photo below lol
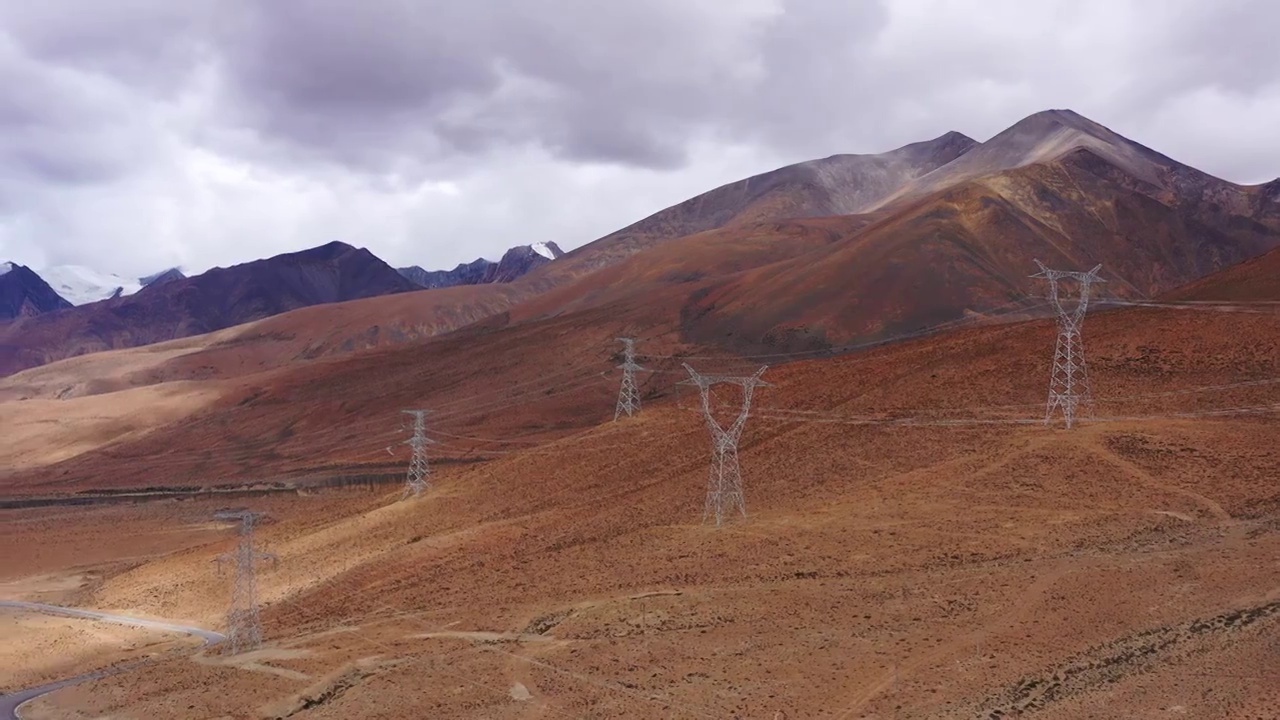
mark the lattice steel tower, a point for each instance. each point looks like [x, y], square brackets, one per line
[418, 477]
[724, 488]
[244, 625]
[628, 394]
[1069, 389]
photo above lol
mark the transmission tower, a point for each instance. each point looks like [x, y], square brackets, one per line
[628, 395]
[244, 626]
[1069, 389]
[419, 473]
[724, 489]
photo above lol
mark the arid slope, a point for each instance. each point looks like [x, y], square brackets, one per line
[918, 543]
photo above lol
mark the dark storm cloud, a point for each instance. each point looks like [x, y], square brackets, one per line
[355, 82]
[591, 81]
[150, 44]
[57, 129]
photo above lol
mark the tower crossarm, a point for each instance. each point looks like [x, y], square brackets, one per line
[1073, 319]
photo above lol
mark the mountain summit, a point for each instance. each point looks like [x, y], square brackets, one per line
[835, 185]
[23, 293]
[1043, 137]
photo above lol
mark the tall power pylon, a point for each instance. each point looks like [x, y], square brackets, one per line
[418, 477]
[628, 394]
[1069, 389]
[724, 488]
[244, 625]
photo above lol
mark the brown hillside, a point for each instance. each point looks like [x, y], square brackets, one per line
[1255, 280]
[543, 379]
[918, 543]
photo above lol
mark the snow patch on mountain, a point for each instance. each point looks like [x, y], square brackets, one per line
[80, 285]
[543, 250]
[5, 267]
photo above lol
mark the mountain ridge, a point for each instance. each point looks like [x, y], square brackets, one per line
[213, 300]
[1054, 185]
[514, 263]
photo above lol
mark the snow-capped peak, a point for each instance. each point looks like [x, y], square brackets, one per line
[80, 285]
[543, 250]
[5, 267]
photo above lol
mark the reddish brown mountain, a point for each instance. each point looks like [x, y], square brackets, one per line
[217, 299]
[1055, 186]
[837, 185]
[950, 234]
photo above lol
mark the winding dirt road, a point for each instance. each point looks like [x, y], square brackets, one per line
[10, 703]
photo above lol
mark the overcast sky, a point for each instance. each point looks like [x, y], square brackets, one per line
[141, 134]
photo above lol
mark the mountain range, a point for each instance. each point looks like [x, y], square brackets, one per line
[848, 248]
[516, 262]
[80, 285]
[101, 315]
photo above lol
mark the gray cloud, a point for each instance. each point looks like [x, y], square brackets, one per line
[148, 132]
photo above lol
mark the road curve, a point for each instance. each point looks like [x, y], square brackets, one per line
[10, 703]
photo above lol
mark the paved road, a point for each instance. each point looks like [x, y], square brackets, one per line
[9, 703]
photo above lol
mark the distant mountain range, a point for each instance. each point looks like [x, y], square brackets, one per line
[514, 263]
[79, 285]
[73, 284]
[103, 311]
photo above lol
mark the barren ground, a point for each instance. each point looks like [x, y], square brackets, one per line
[922, 573]
[918, 546]
[36, 649]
